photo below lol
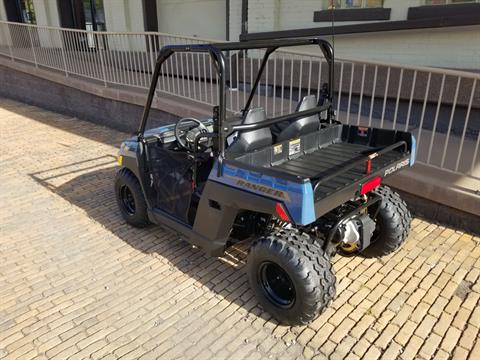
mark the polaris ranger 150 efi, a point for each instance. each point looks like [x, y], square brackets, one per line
[302, 186]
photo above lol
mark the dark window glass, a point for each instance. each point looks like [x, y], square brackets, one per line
[27, 11]
[351, 4]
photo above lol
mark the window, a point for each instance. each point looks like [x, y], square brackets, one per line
[27, 11]
[94, 15]
[351, 4]
[446, 2]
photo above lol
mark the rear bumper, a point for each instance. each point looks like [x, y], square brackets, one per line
[331, 201]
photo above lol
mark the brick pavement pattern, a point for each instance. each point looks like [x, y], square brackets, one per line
[76, 282]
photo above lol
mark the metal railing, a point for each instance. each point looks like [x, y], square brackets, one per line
[441, 107]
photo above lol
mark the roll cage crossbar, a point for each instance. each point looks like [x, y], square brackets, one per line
[218, 58]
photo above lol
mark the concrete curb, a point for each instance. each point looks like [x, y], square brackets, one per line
[440, 187]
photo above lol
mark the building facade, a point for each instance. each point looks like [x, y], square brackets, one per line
[442, 33]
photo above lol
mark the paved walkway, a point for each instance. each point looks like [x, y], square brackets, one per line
[76, 281]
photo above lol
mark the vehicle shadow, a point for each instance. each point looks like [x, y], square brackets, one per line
[88, 184]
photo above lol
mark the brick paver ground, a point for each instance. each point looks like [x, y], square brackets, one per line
[77, 282]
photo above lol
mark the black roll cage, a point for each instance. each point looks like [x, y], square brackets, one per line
[216, 53]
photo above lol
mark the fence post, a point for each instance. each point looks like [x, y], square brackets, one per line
[33, 48]
[151, 51]
[10, 43]
[7, 40]
[102, 62]
[63, 52]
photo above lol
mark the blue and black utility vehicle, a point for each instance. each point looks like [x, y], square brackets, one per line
[302, 186]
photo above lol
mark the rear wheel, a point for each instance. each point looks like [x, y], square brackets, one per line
[392, 224]
[130, 198]
[291, 276]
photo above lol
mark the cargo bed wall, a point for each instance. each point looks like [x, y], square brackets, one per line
[352, 142]
[324, 157]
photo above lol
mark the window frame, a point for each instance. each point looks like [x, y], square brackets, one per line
[326, 5]
[450, 2]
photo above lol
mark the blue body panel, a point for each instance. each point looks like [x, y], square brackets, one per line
[413, 151]
[298, 199]
[299, 196]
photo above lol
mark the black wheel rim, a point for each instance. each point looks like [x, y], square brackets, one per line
[277, 285]
[128, 202]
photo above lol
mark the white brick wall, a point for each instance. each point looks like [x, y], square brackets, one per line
[263, 15]
[235, 19]
[400, 8]
[46, 12]
[454, 47]
[298, 14]
[201, 18]
[125, 15]
[3, 13]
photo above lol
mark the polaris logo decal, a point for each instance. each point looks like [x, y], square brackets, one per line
[264, 189]
[397, 167]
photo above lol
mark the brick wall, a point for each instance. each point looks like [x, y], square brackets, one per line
[67, 100]
[235, 19]
[263, 15]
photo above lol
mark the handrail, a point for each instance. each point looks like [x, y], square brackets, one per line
[47, 27]
[451, 72]
[432, 70]
[414, 92]
[442, 71]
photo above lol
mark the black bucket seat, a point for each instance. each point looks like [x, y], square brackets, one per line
[295, 128]
[251, 140]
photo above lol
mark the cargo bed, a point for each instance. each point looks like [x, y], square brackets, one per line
[334, 158]
[330, 160]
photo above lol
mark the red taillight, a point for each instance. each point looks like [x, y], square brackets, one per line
[281, 213]
[370, 185]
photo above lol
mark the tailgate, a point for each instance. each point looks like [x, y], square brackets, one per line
[325, 166]
[338, 171]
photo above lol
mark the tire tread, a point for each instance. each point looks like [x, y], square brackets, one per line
[126, 177]
[301, 252]
[396, 220]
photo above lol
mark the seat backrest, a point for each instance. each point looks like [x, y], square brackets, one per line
[303, 125]
[254, 139]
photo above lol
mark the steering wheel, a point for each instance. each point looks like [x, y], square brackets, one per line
[189, 138]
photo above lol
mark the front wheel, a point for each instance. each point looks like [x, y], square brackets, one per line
[392, 224]
[291, 276]
[130, 199]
